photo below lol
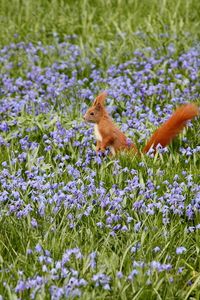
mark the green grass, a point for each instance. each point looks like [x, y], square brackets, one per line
[112, 25]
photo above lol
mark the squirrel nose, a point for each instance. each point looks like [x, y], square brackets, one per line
[84, 117]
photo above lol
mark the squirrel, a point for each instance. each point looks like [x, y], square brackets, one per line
[109, 135]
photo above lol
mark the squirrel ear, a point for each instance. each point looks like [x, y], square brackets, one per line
[98, 106]
[100, 99]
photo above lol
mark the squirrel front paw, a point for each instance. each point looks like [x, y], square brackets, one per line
[98, 149]
[102, 149]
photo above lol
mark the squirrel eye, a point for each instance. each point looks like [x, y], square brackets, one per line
[92, 114]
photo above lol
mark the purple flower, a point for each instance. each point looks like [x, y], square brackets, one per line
[68, 253]
[101, 279]
[119, 275]
[34, 223]
[29, 251]
[171, 279]
[92, 257]
[135, 248]
[137, 226]
[180, 250]
[4, 126]
[180, 270]
[38, 248]
[21, 286]
[132, 274]
[156, 249]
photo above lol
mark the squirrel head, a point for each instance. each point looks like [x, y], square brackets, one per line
[97, 110]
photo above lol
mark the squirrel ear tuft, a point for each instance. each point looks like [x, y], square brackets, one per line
[100, 99]
[98, 106]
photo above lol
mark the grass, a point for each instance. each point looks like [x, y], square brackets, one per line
[119, 28]
[111, 23]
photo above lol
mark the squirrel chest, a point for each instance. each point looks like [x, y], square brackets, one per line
[97, 133]
[99, 138]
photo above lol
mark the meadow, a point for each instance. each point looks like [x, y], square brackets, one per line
[73, 224]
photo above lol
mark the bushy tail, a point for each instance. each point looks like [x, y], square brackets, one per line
[168, 130]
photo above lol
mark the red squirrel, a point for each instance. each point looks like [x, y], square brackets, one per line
[109, 135]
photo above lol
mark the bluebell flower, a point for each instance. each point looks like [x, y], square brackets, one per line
[180, 250]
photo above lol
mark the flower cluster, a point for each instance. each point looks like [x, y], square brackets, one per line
[53, 186]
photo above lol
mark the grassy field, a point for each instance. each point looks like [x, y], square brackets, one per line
[74, 224]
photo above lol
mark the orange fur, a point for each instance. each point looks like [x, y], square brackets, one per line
[109, 135]
[173, 126]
